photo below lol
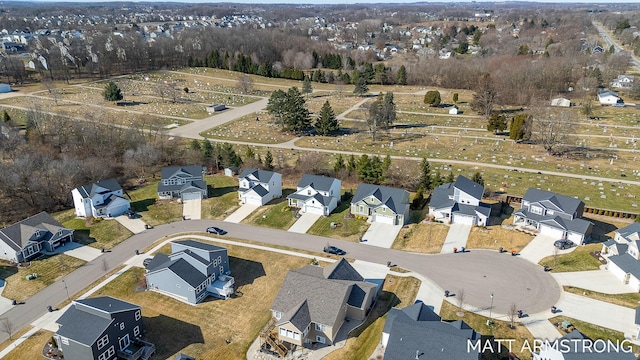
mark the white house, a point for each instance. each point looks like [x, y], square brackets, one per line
[623, 82]
[460, 203]
[608, 97]
[623, 255]
[554, 215]
[258, 187]
[561, 102]
[100, 199]
[316, 194]
[453, 110]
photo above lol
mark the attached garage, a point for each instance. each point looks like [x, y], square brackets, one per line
[576, 238]
[191, 196]
[384, 219]
[313, 209]
[463, 219]
[117, 207]
[550, 231]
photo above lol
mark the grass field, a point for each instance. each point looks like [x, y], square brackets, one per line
[176, 327]
[398, 292]
[422, 238]
[154, 212]
[347, 228]
[590, 330]
[276, 214]
[48, 268]
[577, 260]
[31, 348]
[101, 234]
[223, 197]
[248, 129]
[495, 237]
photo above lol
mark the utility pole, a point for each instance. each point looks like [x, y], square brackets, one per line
[490, 321]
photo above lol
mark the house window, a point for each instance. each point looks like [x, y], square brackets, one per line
[384, 209]
[122, 326]
[136, 331]
[124, 342]
[64, 340]
[107, 354]
[138, 315]
[283, 332]
[221, 269]
[103, 341]
[308, 192]
[361, 209]
[320, 327]
[536, 210]
[277, 315]
[320, 339]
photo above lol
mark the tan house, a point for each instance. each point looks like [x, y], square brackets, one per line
[314, 302]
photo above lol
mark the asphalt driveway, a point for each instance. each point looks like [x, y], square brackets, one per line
[242, 212]
[382, 235]
[192, 209]
[303, 223]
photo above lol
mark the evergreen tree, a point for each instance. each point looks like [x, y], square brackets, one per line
[477, 177]
[437, 179]
[195, 145]
[327, 122]
[419, 198]
[455, 98]
[339, 164]
[401, 76]
[382, 113]
[369, 169]
[517, 131]
[207, 149]
[351, 164]
[296, 114]
[5, 117]
[249, 154]
[276, 107]
[361, 87]
[112, 92]
[497, 122]
[306, 86]
[268, 160]
[425, 180]
[432, 98]
[450, 178]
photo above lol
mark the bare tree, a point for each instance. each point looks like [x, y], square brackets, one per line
[311, 163]
[550, 130]
[7, 327]
[513, 314]
[245, 84]
[485, 96]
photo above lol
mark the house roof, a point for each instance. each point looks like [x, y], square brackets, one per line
[189, 171]
[185, 271]
[199, 245]
[83, 324]
[468, 186]
[182, 356]
[322, 200]
[627, 263]
[320, 183]
[298, 316]
[195, 185]
[630, 232]
[442, 197]
[416, 312]
[18, 234]
[101, 187]
[399, 197]
[263, 176]
[552, 200]
[433, 340]
[324, 292]
[260, 190]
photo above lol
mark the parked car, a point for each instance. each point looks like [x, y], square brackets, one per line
[146, 261]
[131, 214]
[216, 230]
[334, 250]
[563, 244]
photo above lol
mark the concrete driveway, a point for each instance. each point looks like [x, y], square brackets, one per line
[192, 209]
[79, 251]
[596, 280]
[136, 226]
[456, 238]
[600, 313]
[382, 235]
[305, 222]
[242, 212]
[5, 304]
[540, 247]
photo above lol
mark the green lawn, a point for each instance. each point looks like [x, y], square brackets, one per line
[592, 331]
[154, 212]
[577, 260]
[277, 216]
[48, 268]
[347, 228]
[223, 197]
[98, 234]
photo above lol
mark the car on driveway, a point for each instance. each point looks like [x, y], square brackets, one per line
[216, 230]
[334, 250]
[563, 244]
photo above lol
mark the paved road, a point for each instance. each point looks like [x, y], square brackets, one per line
[512, 280]
[618, 48]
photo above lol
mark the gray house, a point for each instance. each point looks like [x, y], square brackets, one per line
[102, 328]
[383, 204]
[416, 332]
[316, 194]
[314, 302]
[460, 202]
[26, 239]
[555, 215]
[182, 182]
[193, 271]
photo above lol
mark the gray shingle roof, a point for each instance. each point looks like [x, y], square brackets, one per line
[89, 190]
[341, 270]
[468, 186]
[182, 356]
[554, 201]
[399, 197]
[627, 263]
[263, 176]
[197, 185]
[182, 171]
[630, 232]
[441, 197]
[299, 316]
[186, 272]
[199, 245]
[320, 183]
[108, 304]
[18, 234]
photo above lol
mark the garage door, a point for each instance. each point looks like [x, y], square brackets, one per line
[553, 232]
[191, 196]
[118, 209]
[462, 219]
[313, 209]
[384, 219]
[576, 238]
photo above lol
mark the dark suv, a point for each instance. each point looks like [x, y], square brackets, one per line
[563, 244]
[334, 250]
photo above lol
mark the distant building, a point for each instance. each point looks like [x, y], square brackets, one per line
[561, 102]
[5, 88]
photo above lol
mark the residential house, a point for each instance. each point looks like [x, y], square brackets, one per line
[381, 203]
[100, 199]
[608, 97]
[182, 182]
[27, 239]
[314, 302]
[554, 215]
[623, 255]
[460, 202]
[417, 332]
[5, 88]
[316, 194]
[258, 187]
[561, 102]
[193, 271]
[102, 328]
[453, 110]
[623, 82]
[577, 346]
